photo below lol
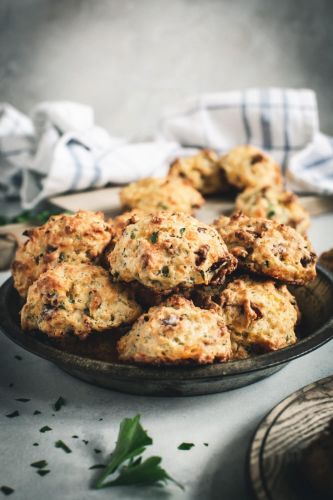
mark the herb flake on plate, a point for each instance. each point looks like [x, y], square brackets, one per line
[41, 464]
[7, 490]
[63, 446]
[59, 403]
[22, 400]
[97, 466]
[37, 412]
[185, 446]
[46, 428]
[43, 472]
[15, 413]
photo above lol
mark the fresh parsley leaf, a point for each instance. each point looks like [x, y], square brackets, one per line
[46, 428]
[63, 446]
[154, 237]
[39, 465]
[85, 441]
[35, 444]
[97, 466]
[96, 450]
[19, 358]
[131, 442]
[205, 444]
[43, 472]
[22, 400]
[146, 472]
[37, 412]
[13, 414]
[59, 403]
[7, 490]
[182, 230]
[75, 436]
[270, 214]
[185, 446]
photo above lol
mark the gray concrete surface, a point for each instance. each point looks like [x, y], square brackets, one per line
[130, 59]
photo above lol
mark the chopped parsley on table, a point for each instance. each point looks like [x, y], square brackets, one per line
[63, 446]
[185, 446]
[154, 237]
[59, 403]
[46, 428]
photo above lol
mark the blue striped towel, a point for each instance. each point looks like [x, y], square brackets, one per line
[60, 148]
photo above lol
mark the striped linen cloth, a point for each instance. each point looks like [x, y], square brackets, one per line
[60, 149]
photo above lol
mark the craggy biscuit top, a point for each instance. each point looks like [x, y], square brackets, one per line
[176, 332]
[248, 166]
[78, 299]
[121, 221]
[170, 193]
[260, 314]
[271, 203]
[81, 237]
[265, 247]
[202, 170]
[169, 250]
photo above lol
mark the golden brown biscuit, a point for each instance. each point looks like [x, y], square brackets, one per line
[326, 259]
[170, 250]
[265, 247]
[77, 299]
[176, 332]
[81, 237]
[121, 221]
[271, 203]
[202, 171]
[260, 314]
[247, 166]
[169, 193]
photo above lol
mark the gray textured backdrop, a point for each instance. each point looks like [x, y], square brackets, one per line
[129, 59]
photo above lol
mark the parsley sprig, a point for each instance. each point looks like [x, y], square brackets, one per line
[127, 459]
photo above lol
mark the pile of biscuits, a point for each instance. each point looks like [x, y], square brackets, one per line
[184, 291]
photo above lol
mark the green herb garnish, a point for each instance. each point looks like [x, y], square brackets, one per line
[185, 446]
[131, 442]
[46, 428]
[35, 444]
[154, 237]
[37, 412]
[13, 414]
[132, 235]
[270, 214]
[39, 465]
[75, 436]
[19, 358]
[182, 230]
[22, 400]
[85, 441]
[7, 490]
[59, 403]
[205, 444]
[97, 466]
[96, 450]
[63, 446]
[43, 472]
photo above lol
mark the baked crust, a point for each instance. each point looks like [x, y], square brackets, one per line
[77, 299]
[81, 237]
[203, 171]
[271, 203]
[268, 248]
[167, 250]
[176, 332]
[247, 166]
[170, 193]
[261, 315]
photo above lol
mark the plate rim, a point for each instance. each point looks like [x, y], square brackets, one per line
[270, 417]
[127, 371]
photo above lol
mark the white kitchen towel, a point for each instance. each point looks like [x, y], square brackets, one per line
[60, 148]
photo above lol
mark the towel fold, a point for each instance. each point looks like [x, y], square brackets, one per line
[59, 148]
